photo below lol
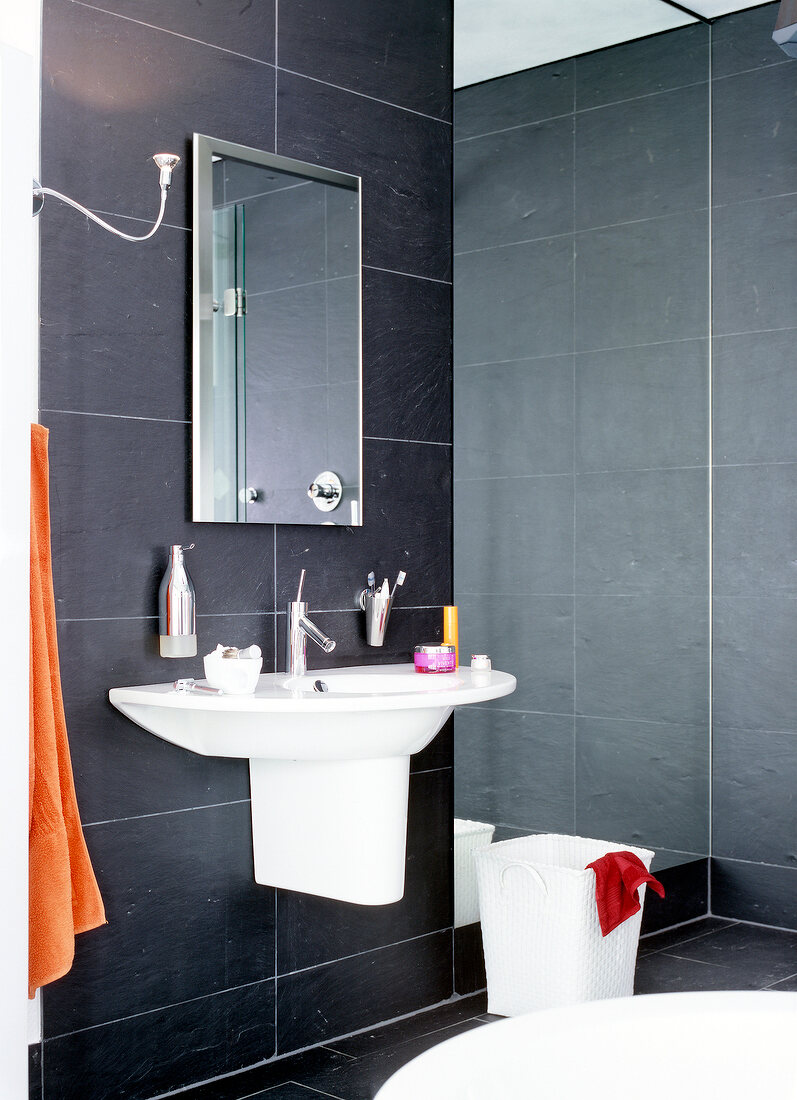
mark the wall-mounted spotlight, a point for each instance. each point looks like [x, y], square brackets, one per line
[167, 162]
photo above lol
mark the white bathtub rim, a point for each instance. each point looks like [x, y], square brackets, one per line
[732, 1042]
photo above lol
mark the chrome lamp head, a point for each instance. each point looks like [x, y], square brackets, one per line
[167, 162]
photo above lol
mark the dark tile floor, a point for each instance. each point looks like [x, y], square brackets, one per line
[707, 954]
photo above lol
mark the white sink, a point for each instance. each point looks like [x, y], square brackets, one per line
[329, 770]
[377, 681]
[369, 712]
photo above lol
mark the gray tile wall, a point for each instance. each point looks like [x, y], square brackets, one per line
[581, 443]
[583, 353]
[754, 870]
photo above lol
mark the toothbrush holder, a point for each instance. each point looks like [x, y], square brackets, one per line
[377, 612]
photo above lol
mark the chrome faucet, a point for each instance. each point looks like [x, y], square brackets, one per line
[300, 628]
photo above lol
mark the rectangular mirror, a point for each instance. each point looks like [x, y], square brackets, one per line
[277, 417]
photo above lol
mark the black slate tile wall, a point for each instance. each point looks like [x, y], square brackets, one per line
[398, 978]
[313, 930]
[754, 870]
[35, 1072]
[200, 972]
[581, 370]
[614, 669]
[686, 897]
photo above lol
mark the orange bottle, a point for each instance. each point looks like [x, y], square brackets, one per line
[451, 630]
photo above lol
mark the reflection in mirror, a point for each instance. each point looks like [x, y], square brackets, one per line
[277, 347]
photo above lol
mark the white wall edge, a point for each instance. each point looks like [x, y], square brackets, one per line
[20, 34]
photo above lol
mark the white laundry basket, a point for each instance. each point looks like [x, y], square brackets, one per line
[543, 946]
[468, 836]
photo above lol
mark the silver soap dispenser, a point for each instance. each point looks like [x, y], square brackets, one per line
[177, 608]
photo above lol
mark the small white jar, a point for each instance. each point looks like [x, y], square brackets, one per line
[237, 676]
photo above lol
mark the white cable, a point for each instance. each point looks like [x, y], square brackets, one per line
[99, 221]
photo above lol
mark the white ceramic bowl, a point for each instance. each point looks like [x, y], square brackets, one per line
[234, 677]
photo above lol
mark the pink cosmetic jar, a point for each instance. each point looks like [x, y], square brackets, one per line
[435, 658]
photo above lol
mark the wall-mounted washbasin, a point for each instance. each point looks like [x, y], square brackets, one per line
[329, 769]
[366, 712]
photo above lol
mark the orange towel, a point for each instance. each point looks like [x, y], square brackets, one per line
[64, 897]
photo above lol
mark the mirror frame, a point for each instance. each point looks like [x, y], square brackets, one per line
[204, 148]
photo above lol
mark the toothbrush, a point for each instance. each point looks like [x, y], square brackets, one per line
[371, 583]
[400, 579]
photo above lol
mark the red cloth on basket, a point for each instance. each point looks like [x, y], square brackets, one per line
[618, 876]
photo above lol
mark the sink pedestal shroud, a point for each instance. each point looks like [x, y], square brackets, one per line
[336, 828]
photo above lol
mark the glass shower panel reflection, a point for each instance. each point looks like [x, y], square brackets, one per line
[581, 454]
[302, 372]
[229, 364]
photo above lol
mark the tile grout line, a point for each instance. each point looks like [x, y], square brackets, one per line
[755, 198]
[186, 423]
[579, 230]
[134, 217]
[274, 978]
[600, 718]
[276, 71]
[710, 426]
[685, 958]
[774, 985]
[363, 95]
[583, 230]
[512, 129]
[259, 61]
[644, 95]
[756, 69]
[621, 224]
[159, 1009]
[659, 595]
[406, 274]
[687, 939]
[276, 968]
[761, 462]
[759, 863]
[167, 813]
[746, 729]
[759, 924]
[573, 411]
[595, 350]
[585, 110]
[616, 470]
[255, 294]
[174, 34]
[452, 1001]
[116, 416]
[311, 1091]
[399, 609]
[419, 442]
[358, 954]
[625, 347]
